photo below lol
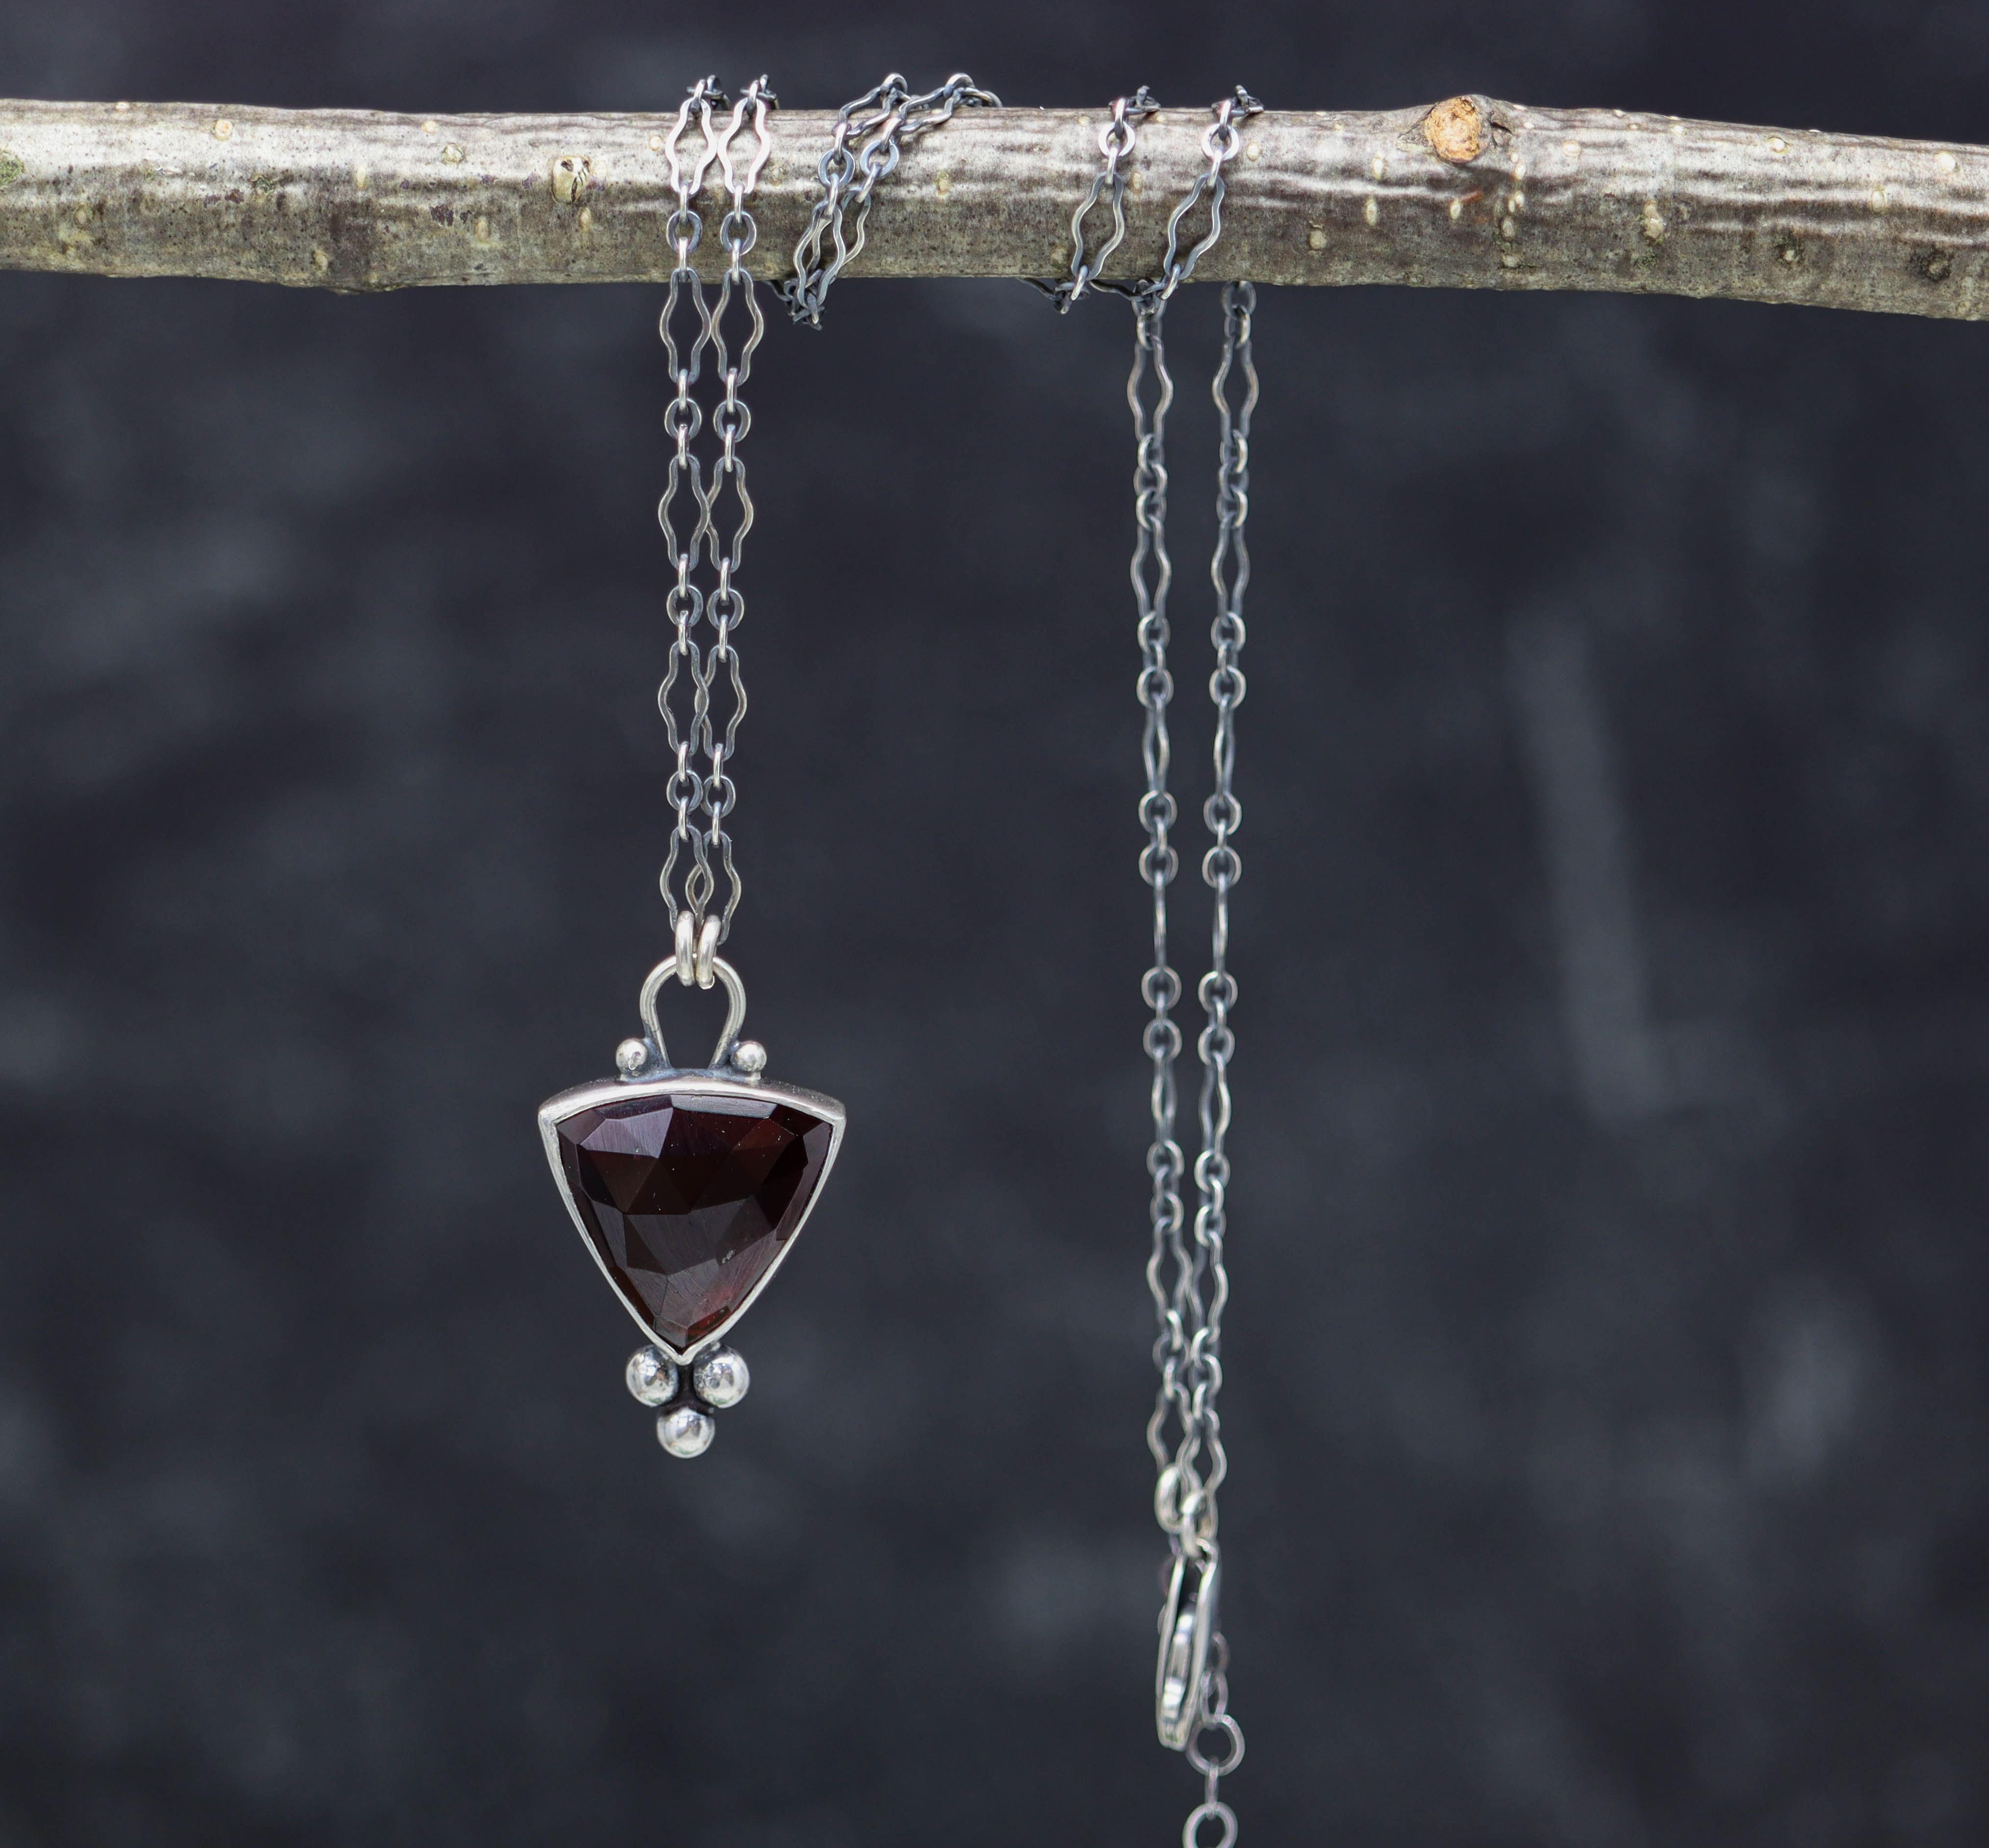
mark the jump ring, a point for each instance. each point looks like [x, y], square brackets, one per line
[1221, 865]
[1212, 1768]
[1205, 1812]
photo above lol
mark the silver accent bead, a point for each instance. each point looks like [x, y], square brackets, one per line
[652, 1375]
[630, 1056]
[685, 1431]
[719, 1377]
[751, 1057]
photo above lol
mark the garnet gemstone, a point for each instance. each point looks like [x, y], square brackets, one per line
[689, 1199]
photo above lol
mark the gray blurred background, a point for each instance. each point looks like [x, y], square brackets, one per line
[1607, 1386]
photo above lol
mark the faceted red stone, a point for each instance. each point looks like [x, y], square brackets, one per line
[689, 1199]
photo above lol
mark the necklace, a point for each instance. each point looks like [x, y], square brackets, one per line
[689, 1185]
[1186, 1271]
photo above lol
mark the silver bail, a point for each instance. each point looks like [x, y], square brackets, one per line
[723, 974]
[1188, 1626]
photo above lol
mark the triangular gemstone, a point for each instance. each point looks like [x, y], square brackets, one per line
[689, 1198]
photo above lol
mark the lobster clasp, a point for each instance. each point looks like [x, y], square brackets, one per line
[1187, 1628]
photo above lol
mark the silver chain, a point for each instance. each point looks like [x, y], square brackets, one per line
[872, 132]
[1212, 1715]
[1152, 575]
[701, 797]
[1189, 1352]
[1221, 142]
[1229, 572]
[1187, 1274]
[1115, 141]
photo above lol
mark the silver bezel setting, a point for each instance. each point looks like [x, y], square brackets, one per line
[713, 1082]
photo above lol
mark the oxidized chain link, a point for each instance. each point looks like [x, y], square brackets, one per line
[1187, 1275]
[701, 798]
[1190, 1352]
[1115, 141]
[872, 132]
[1221, 142]
[725, 609]
[1212, 1714]
[1152, 573]
[1229, 572]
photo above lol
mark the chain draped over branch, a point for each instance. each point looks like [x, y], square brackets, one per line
[1473, 193]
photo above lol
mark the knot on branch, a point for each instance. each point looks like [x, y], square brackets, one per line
[1457, 130]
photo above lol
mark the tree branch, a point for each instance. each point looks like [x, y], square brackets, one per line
[1471, 194]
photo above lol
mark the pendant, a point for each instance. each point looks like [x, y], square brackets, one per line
[689, 1188]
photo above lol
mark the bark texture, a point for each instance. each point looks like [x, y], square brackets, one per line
[1471, 193]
